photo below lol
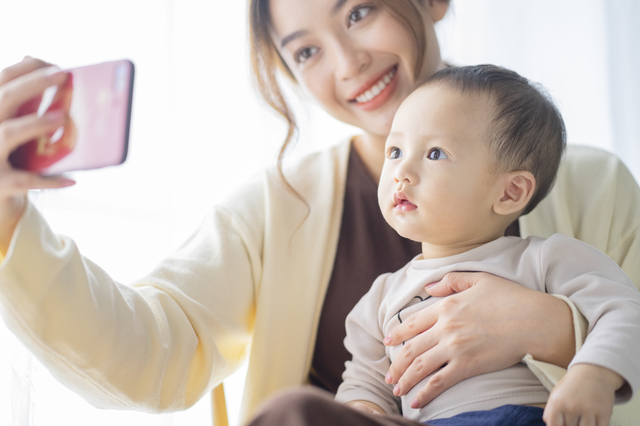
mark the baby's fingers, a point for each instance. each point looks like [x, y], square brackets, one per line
[552, 417]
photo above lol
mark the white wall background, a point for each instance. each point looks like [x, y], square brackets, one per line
[198, 129]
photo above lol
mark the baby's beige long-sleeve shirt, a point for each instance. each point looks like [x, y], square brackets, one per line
[559, 265]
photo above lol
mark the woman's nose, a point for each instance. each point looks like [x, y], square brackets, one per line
[349, 60]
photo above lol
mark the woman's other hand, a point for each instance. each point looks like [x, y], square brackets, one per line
[490, 325]
[21, 83]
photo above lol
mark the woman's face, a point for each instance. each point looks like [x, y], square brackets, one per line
[353, 57]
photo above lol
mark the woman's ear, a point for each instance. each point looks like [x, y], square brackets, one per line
[437, 9]
[516, 190]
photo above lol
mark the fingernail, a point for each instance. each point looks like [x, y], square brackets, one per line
[396, 390]
[387, 340]
[387, 378]
[415, 403]
[26, 57]
[67, 182]
[55, 116]
[431, 284]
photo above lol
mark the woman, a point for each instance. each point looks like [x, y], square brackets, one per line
[275, 269]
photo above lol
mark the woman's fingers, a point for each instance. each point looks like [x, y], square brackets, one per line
[442, 380]
[421, 366]
[27, 65]
[468, 330]
[18, 182]
[455, 282]
[17, 131]
[408, 355]
[18, 90]
[415, 324]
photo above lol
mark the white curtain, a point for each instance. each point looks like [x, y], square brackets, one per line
[623, 59]
[198, 129]
[585, 52]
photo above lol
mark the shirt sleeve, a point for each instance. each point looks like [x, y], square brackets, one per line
[608, 300]
[363, 378]
[155, 346]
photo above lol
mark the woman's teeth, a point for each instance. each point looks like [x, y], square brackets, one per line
[376, 88]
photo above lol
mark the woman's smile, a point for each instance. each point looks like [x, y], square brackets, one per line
[376, 92]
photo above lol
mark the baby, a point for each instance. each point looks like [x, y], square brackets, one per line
[470, 150]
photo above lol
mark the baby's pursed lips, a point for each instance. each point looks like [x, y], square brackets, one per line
[400, 198]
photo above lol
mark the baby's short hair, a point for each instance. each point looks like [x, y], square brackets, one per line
[527, 133]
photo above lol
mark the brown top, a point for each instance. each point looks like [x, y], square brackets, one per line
[367, 248]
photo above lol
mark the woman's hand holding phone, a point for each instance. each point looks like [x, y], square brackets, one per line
[24, 82]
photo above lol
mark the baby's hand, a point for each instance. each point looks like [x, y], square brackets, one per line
[584, 396]
[366, 407]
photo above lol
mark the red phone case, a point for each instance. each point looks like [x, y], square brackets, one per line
[95, 134]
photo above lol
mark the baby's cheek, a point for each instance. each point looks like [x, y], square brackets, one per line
[383, 190]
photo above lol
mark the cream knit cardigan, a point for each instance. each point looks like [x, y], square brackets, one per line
[248, 285]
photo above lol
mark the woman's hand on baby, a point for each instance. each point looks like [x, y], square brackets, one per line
[490, 325]
[20, 83]
[584, 397]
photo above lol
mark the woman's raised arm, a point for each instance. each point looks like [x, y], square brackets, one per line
[21, 83]
[158, 345]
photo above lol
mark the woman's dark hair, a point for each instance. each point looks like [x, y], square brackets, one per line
[266, 62]
[527, 132]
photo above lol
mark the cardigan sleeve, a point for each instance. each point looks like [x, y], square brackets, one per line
[157, 345]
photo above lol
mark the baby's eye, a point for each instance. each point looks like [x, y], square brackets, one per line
[436, 154]
[305, 53]
[394, 153]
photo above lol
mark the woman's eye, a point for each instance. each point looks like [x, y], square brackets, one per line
[303, 54]
[359, 13]
[394, 153]
[436, 154]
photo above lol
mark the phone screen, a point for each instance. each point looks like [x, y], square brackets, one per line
[96, 134]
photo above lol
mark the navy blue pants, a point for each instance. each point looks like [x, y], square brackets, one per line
[507, 415]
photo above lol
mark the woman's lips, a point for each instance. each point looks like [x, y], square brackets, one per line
[388, 79]
[402, 204]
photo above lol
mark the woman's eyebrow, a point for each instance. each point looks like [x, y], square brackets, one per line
[292, 36]
[336, 7]
[297, 34]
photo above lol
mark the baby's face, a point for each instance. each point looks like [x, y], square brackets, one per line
[436, 185]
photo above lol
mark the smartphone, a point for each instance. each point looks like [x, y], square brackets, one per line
[98, 99]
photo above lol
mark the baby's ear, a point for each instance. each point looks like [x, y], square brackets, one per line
[516, 190]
